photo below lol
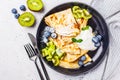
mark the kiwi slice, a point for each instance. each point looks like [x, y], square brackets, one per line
[26, 19]
[35, 5]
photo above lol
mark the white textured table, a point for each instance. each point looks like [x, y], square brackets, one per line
[14, 62]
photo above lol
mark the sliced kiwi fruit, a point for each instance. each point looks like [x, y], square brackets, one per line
[35, 5]
[26, 19]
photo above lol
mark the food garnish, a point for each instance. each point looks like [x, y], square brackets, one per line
[44, 39]
[49, 32]
[81, 13]
[22, 8]
[35, 5]
[95, 39]
[77, 40]
[83, 58]
[46, 34]
[26, 19]
[99, 37]
[52, 30]
[49, 50]
[52, 53]
[87, 15]
[54, 35]
[86, 36]
[80, 63]
[47, 28]
[85, 28]
[59, 53]
[97, 44]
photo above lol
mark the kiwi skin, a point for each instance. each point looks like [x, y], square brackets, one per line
[36, 10]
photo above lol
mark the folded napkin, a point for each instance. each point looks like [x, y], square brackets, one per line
[110, 10]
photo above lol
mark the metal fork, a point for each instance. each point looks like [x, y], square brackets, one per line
[33, 57]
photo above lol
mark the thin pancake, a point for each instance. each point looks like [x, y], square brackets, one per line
[74, 57]
[73, 65]
[63, 20]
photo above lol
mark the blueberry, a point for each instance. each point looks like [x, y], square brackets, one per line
[45, 40]
[97, 44]
[52, 30]
[53, 35]
[46, 34]
[80, 63]
[22, 7]
[95, 39]
[14, 11]
[99, 37]
[17, 15]
[47, 28]
[83, 58]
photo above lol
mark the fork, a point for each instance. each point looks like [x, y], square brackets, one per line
[33, 57]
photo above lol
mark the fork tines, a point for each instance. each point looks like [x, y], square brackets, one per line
[30, 51]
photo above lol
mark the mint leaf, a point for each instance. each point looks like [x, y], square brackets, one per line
[75, 40]
[79, 40]
[85, 28]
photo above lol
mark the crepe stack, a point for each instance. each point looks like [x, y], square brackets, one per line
[65, 20]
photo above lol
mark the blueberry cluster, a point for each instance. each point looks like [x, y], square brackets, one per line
[16, 14]
[81, 61]
[48, 32]
[97, 40]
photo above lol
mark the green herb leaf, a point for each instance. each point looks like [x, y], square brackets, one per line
[75, 40]
[85, 28]
[79, 40]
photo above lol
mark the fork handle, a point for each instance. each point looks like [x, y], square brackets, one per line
[39, 71]
[42, 64]
[44, 69]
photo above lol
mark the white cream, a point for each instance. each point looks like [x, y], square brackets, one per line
[86, 36]
[65, 31]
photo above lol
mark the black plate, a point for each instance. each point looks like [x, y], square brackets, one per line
[96, 22]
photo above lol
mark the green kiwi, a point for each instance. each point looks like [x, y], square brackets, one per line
[26, 19]
[35, 5]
